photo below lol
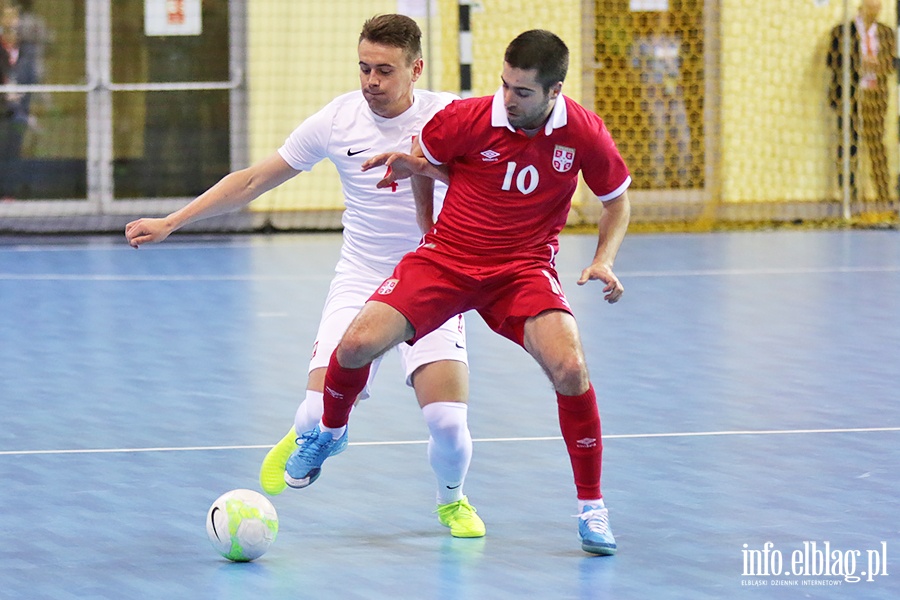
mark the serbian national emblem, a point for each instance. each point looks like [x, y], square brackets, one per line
[387, 287]
[563, 158]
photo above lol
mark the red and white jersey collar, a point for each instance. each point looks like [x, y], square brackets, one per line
[558, 116]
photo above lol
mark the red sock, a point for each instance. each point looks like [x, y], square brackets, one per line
[342, 386]
[579, 421]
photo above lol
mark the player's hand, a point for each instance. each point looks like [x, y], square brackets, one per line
[399, 166]
[613, 289]
[146, 231]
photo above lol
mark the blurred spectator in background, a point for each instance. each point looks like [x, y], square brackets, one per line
[872, 58]
[18, 66]
[34, 35]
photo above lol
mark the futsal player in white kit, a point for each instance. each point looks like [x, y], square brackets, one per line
[380, 226]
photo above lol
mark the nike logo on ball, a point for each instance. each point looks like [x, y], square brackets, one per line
[212, 518]
[352, 153]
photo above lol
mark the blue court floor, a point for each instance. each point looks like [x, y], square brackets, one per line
[748, 384]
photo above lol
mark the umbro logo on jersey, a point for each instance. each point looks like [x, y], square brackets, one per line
[490, 156]
[355, 152]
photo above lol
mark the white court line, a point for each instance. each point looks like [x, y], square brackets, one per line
[107, 244]
[89, 277]
[625, 436]
[301, 277]
[767, 271]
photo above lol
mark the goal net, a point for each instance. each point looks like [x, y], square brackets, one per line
[729, 113]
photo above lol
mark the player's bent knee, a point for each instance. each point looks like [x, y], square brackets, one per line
[354, 352]
[571, 379]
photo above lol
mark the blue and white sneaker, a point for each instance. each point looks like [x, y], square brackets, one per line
[305, 464]
[593, 529]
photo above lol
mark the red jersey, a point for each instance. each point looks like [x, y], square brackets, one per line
[511, 194]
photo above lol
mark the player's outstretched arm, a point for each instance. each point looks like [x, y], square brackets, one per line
[401, 166]
[232, 192]
[612, 227]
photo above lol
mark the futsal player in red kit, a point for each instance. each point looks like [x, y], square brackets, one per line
[511, 161]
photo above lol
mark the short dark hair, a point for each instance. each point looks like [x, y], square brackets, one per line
[394, 30]
[541, 50]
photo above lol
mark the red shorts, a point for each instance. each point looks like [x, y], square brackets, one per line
[428, 287]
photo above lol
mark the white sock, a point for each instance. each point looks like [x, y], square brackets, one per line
[449, 447]
[336, 432]
[593, 503]
[309, 413]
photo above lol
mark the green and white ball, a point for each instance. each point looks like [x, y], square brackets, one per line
[241, 525]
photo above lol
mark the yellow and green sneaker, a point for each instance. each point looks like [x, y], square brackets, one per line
[460, 517]
[271, 473]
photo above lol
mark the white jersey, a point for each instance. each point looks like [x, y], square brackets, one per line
[379, 224]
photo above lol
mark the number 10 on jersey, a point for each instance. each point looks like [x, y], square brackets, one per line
[526, 180]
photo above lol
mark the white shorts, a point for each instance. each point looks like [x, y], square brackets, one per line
[349, 291]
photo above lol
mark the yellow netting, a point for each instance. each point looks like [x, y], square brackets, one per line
[728, 112]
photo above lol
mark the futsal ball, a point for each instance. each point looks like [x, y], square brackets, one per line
[241, 524]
